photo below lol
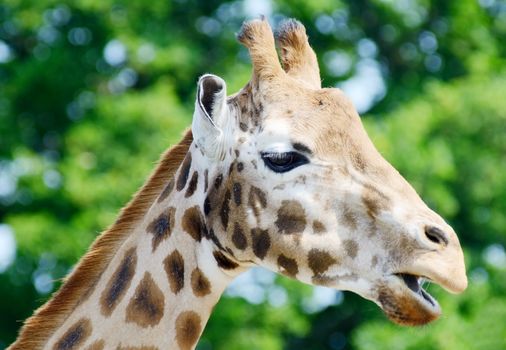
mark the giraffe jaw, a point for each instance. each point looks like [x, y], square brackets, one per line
[405, 302]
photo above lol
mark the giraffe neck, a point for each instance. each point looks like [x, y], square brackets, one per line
[150, 281]
[161, 285]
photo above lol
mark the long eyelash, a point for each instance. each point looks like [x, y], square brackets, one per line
[275, 160]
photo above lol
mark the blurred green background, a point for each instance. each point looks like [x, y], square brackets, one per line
[92, 91]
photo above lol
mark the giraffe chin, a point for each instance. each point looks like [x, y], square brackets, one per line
[405, 302]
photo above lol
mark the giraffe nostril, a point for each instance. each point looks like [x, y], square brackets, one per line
[436, 235]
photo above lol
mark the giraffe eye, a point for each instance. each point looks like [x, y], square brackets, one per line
[283, 162]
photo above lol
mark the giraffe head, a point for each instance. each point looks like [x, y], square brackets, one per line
[296, 185]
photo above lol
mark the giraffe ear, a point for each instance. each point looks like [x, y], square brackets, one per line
[210, 115]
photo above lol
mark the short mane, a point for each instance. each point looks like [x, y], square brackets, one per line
[39, 327]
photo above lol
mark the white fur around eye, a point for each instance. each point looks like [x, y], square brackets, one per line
[279, 147]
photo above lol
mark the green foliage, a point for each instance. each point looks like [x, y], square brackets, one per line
[80, 131]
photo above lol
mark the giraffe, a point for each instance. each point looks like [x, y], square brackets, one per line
[282, 175]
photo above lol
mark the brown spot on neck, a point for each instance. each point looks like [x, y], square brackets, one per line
[188, 329]
[223, 261]
[200, 283]
[238, 237]
[237, 190]
[119, 283]
[193, 223]
[206, 179]
[225, 208]
[207, 206]
[217, 181]
[319, 261]
[192, 186]
[288, 266]
[291, 217]
[261, 242]
[162, 226]
[184, 172]
[174, 267]
[146, 306]
[166, 191]
[75, 336]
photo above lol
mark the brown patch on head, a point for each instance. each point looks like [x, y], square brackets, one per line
[350, 247]
[146, 306]
[174, 267]
[192, 186]
[75, 336]
[193, 223]
[238, 237]
[237, 190]
[257, 200]
[319, 261]
[261, 242]
[200, 283]
[223, 261]
[225, 208]
[166, 191]
[162, 226]
[288, 266]
[119, 283]
[291, 217]
[319, 227]
[374, 201]
[184, 172]
[188, 328]
[97, 345]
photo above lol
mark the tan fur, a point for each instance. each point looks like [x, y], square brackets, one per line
[297, 57]
[287, 224]
[257, 36]
[38, 328]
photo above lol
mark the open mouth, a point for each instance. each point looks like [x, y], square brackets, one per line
[415, 284]
[405, 301]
